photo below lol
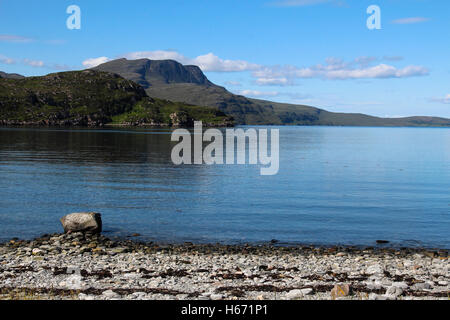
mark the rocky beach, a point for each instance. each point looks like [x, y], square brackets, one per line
[80, 266]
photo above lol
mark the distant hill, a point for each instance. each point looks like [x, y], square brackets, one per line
[168, 79]
[10, 75]
[93, 98]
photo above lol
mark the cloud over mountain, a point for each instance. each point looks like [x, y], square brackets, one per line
[333, 68]
[93, 62]
[208, 62]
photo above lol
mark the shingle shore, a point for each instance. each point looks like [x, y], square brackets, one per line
[83, 266]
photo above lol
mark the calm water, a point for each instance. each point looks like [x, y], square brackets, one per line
[336, 185]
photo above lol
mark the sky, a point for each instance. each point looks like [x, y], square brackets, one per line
[313, 52]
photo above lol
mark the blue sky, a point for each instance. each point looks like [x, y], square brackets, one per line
[314, 52]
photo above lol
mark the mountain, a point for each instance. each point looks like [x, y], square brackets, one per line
[149, 73]
[10, 75]
[168, 79]
[93, 98]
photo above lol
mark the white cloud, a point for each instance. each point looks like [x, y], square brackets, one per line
[208, 62]
[34, 63]
[211, 62]
[156, 55]
[256, 93]
[93, 62]
[273, 81]
[20, 39]
[14, 38]
[379, 71]
[410, 20]
[445, 99]
[337, 69]
[6, 60]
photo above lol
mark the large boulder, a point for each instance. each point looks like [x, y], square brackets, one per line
[82, 222]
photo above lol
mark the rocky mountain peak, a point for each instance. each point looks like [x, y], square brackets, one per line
[148, 72]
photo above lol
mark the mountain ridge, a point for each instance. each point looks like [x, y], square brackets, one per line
[170, 80]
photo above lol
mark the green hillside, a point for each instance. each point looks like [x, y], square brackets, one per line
[93, 98]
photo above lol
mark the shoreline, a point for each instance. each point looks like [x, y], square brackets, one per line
[137, 238]
[93, 267]
[167, 126]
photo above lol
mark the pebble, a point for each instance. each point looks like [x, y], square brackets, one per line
[422, 286]
[110, 294]
[37, 252]
[401, 285]
[307, 291]
[295, 294]
[374, 269]
[394, 292]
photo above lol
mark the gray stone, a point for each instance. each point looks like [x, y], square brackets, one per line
[402, 285]
[374, 296]
[83, 296]
[307, 291]
[295, 294]
[37, 252]
[248, 273]
[374, 269]
[82, 222]
[110, 294]
[422, 286]
[394, 292]
[375, 285]
[138, 296]
[119, 250]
